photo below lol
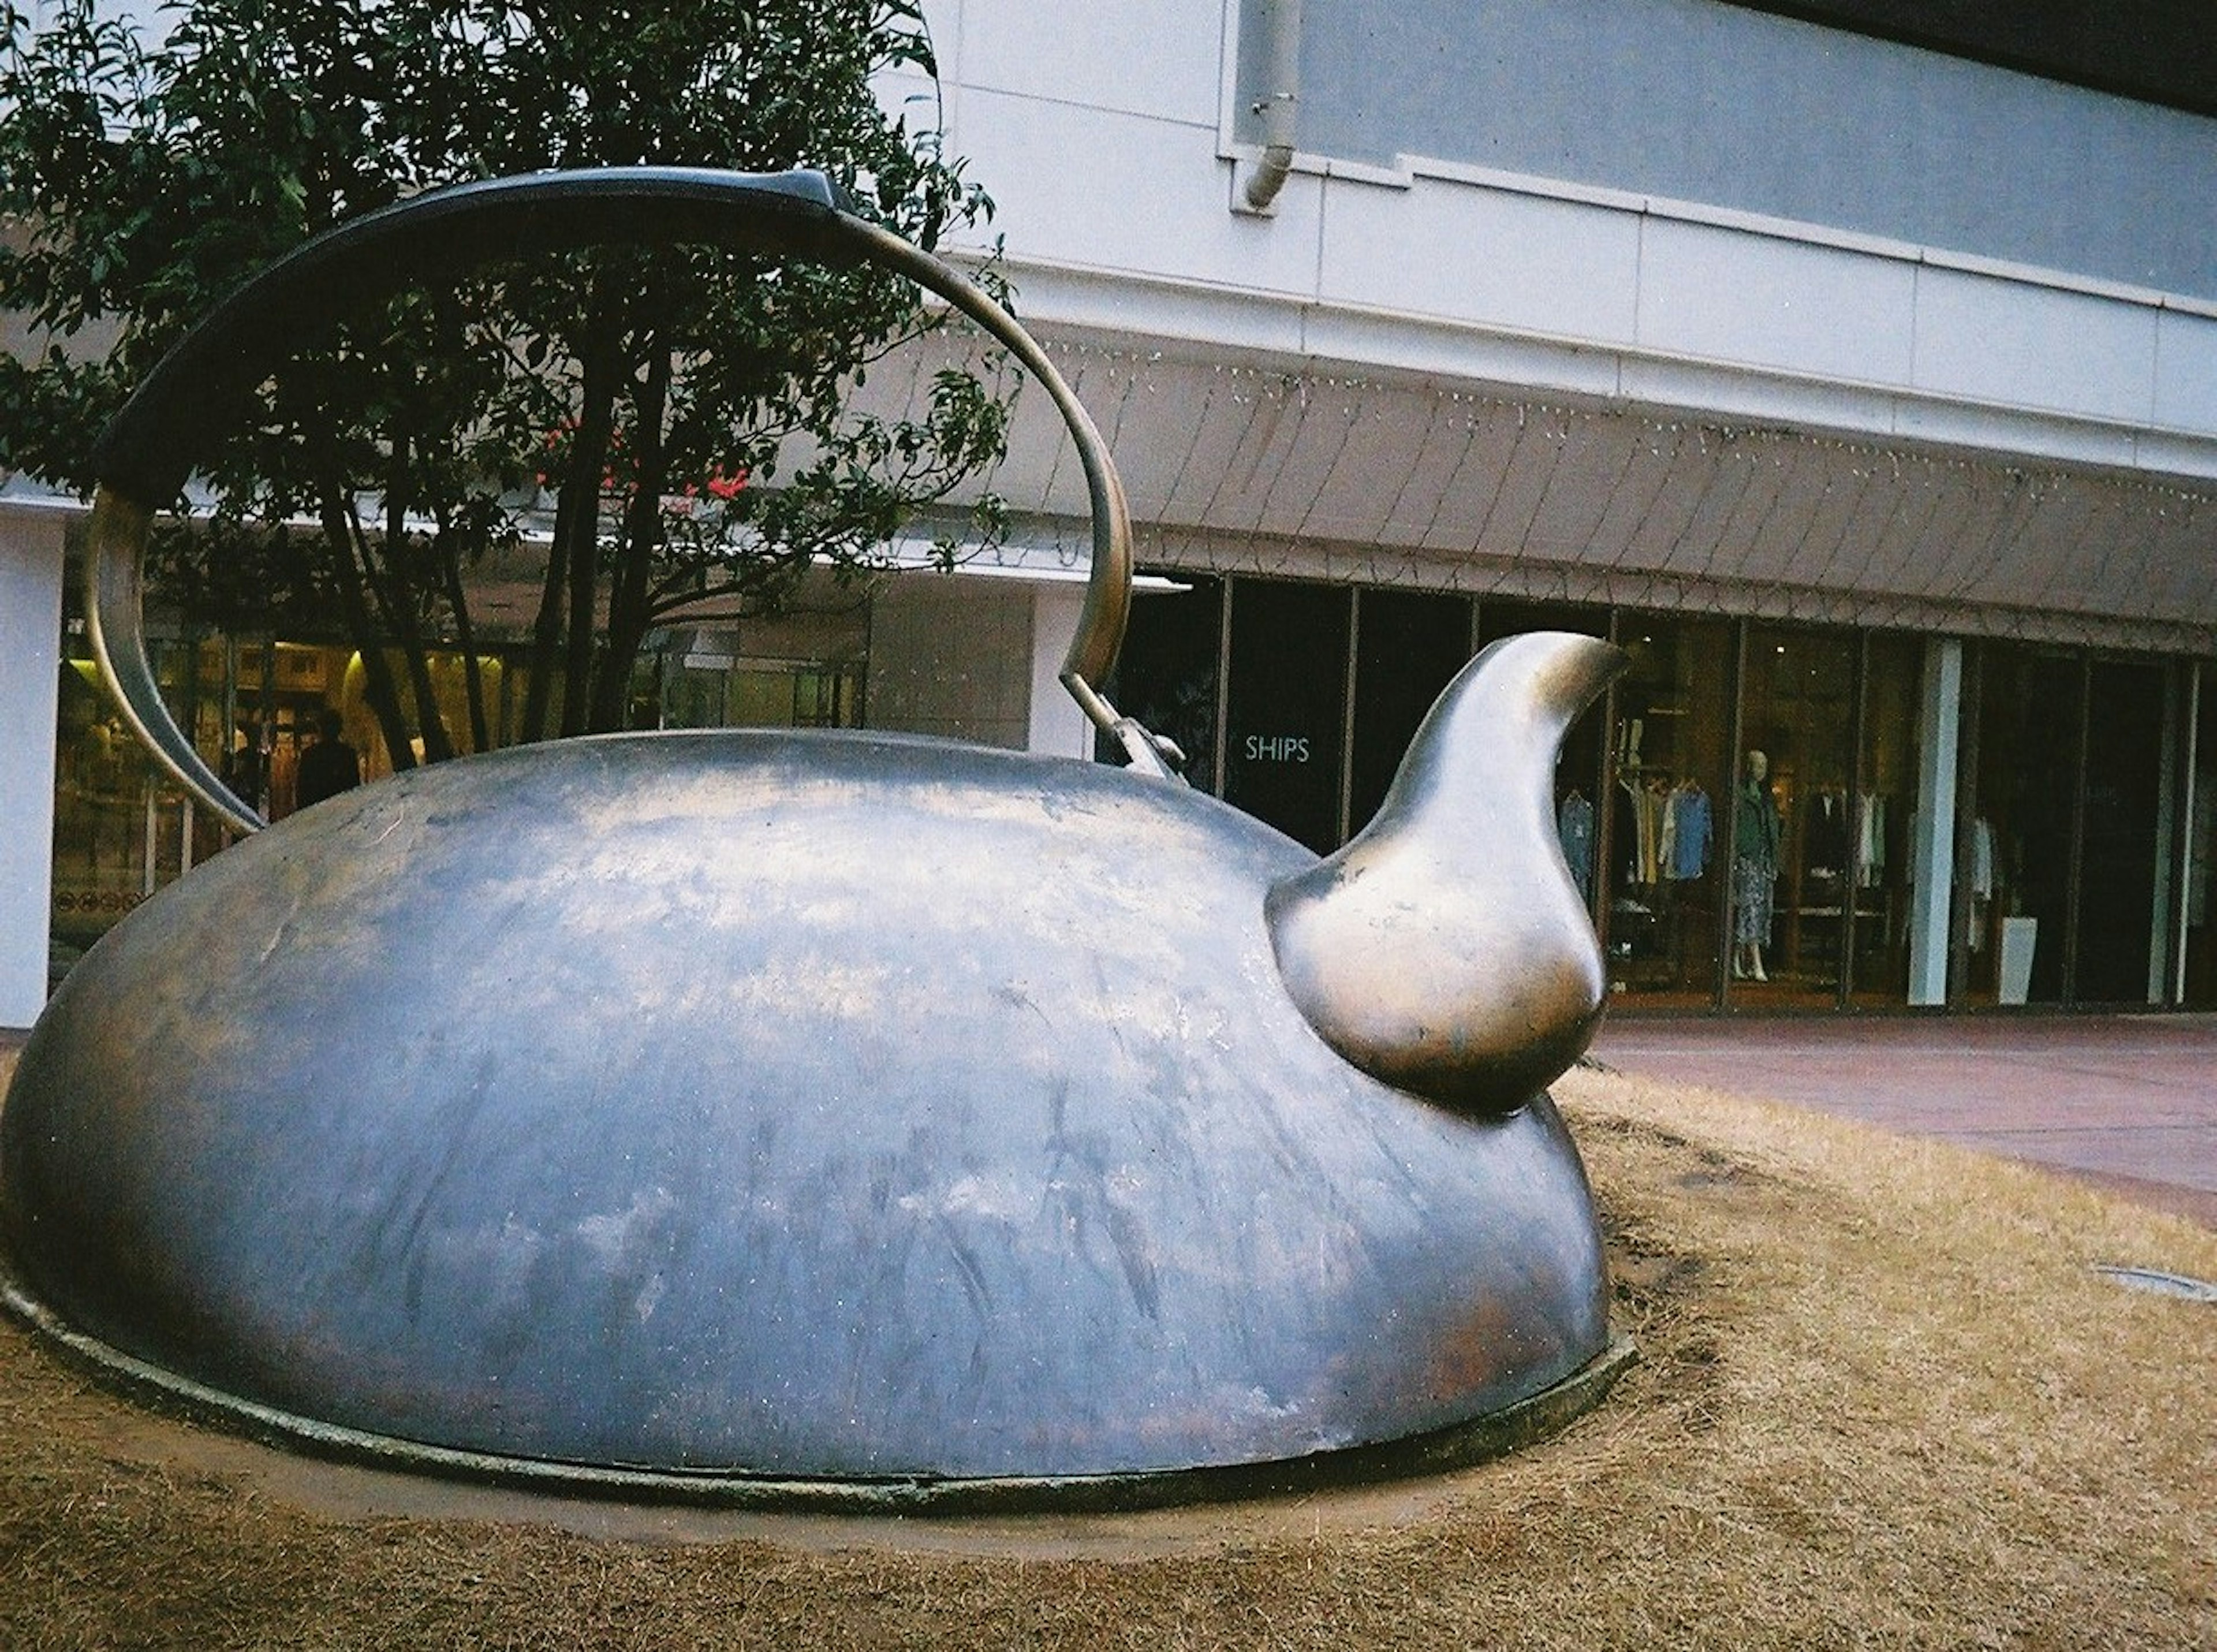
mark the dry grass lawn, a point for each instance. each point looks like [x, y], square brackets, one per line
[1883, 1402]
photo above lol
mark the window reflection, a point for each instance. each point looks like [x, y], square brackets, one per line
[1165, 676]
[1285, 711]
[1885, 807]
[1803, 843]
[2025, 788]
[1669, 809]
[1409, 646]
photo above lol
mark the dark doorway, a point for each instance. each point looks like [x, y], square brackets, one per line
[1285, 710]
[1409, 644]
[1166, 675]
[2117, 861]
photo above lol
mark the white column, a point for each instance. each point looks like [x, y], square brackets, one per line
[1932, 844]
[30, 668]
[1059, 728]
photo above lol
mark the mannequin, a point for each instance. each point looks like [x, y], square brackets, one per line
[1756, 833]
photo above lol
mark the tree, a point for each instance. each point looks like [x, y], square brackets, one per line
[686, 413]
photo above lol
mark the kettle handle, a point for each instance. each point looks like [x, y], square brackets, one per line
[142, 459]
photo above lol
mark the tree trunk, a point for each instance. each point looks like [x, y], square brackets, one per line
[585, 574]
[577, 529]
[396, 598]
[450, 568]
[546, 629]
[642, 539]
[384, 693]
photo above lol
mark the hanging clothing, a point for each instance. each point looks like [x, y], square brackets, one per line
[1870, 849]
[1650, 802]
[1691, 826]
[1630, 847]
[1827, 839]
[1982, 859]
[1574, 826]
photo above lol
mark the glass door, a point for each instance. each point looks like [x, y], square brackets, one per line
[1408, 647]
[1886, 797]
[1795, 832]
[2198, 958]
[2115, 957]
[2023, 824]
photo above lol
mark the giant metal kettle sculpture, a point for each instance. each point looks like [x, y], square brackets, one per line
[834, 1115]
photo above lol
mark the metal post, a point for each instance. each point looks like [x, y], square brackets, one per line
[2160, 899]
[1347, 714]
[150, 820]
[1728, 823]
[2183, 857]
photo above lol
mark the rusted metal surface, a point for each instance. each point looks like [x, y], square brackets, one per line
[820, 1110]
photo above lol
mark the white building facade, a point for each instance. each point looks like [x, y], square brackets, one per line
[1866, 392]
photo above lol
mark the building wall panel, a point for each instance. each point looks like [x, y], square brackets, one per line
[1725, 295]
[1989, 340]
[1493, 257]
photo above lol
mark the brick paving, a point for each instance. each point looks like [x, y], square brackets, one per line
[2129, 1101]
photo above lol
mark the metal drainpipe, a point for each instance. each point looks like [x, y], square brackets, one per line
[1282, 52]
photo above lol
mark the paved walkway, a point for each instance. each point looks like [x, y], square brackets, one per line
[2129, 1101]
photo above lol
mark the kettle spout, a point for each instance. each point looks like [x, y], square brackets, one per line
[1445, 949]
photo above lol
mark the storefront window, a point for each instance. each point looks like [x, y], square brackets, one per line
[256, 708]
[1884, 802]
[1286, 707]
[800, 669]
[1667, 858]
[1166, 673]
[1580, 781]
[1795, 865]
[2116, 959]
[2023, 821]
[1746, 823]
[119, 835]
[2199, 957]
[772, 694]
[1408, 647]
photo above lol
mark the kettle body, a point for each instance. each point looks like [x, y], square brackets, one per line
[789, 1105]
